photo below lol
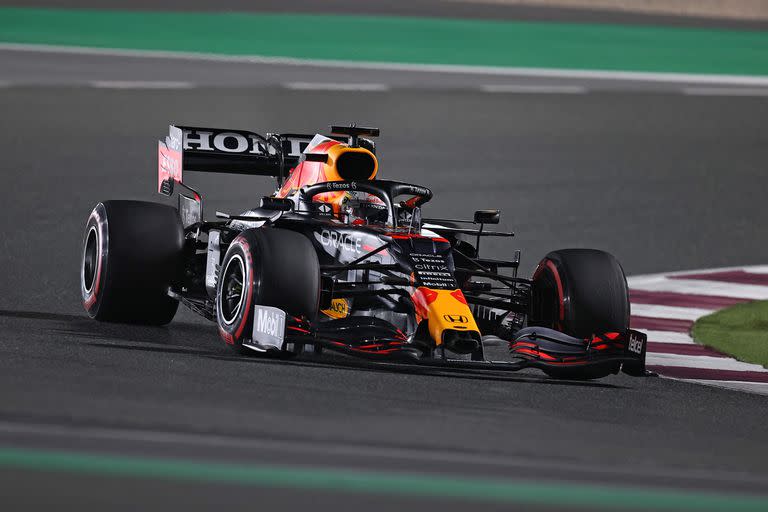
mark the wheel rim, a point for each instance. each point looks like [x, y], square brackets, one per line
[90, 259]
[232, 290]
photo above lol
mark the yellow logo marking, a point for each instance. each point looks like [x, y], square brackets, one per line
[339, 309]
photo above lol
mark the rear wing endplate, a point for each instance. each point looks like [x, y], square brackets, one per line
[169, 160]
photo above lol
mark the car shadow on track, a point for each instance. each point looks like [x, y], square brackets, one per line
[343, 363]
[196, 340]
[85, 330]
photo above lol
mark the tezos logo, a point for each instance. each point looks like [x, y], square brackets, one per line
[339, 185]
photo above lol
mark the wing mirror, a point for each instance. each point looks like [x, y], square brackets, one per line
[280, 204]
[487, 216]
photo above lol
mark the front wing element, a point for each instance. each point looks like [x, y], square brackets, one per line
[375, 339]
[545, 347]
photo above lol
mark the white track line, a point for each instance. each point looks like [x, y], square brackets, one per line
[139, 84]
[668, 337]
[725, 91]
[672, 312]
[590, 74]
[533, 89]
[318, 86]
[701, 287]
[757, 269]
[705, 362]
[737, 385]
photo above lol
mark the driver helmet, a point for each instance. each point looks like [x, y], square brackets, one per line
[363, 208]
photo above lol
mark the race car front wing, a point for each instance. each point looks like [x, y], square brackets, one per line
[375, 339]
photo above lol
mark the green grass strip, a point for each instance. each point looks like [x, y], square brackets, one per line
[740, 331]
[384, 483]
[399, 39]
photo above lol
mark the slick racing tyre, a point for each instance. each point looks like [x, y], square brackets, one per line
[131, 253]
[580, 292]
[268, 267]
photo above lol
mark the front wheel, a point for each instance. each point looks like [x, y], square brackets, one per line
[268, 267]
[580, 292]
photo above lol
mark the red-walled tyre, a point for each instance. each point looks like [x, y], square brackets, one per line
[131, 255]
[580, 292]
[268, 267]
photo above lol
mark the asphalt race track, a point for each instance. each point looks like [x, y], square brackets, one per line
[662, 180]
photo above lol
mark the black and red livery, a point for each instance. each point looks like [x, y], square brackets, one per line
[337, 259]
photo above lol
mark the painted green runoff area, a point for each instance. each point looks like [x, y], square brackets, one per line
[398, 39]
[740, 331]
[391, 484]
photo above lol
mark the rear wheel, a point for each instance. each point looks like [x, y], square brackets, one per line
[268, 267]
[580, 292]
[131, 253]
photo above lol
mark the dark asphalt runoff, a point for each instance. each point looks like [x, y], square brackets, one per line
[663, 181]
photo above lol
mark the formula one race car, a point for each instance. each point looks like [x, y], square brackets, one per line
[338, 260]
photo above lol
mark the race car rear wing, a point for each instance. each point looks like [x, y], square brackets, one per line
[196, 149]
